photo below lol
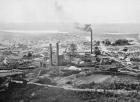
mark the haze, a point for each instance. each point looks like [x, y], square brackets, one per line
[60, 12]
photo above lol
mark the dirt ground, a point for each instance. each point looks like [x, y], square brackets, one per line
[54, 76]
[33, 93]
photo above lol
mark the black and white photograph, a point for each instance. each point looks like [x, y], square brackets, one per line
[69, 50]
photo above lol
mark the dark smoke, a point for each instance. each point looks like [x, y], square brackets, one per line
[86, 27]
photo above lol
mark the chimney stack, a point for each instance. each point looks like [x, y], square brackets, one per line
[57, 54]
[91, 42]
[51, 54]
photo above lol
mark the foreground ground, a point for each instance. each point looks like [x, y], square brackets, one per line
[53, 76]
[33, 93]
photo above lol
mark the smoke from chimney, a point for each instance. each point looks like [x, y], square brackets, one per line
[65, 17]
[85, 27]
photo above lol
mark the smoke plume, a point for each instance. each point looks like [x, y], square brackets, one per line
[85, 27]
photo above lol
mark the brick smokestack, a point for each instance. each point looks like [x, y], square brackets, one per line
[51, 63]
[57, 54]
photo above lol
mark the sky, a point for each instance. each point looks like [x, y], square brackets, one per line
[83, 11]
[61, 15]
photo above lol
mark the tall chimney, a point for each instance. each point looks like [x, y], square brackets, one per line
[57, 54]
[91, 41]
[51, 54]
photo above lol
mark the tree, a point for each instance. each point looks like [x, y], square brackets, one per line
[121, 42]
[72, 49]
[107, 42]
